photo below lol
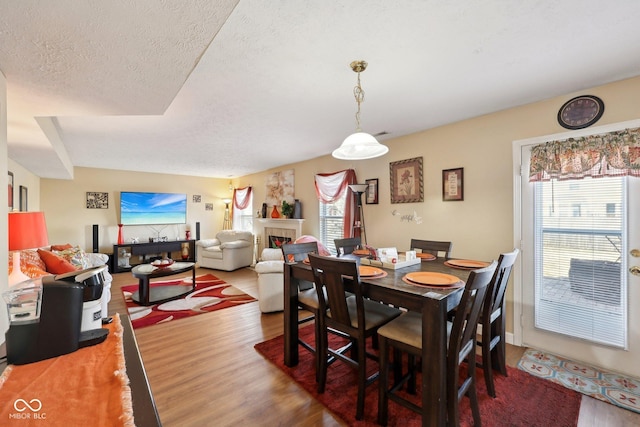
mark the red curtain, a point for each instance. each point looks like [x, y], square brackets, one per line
[331, 186]
[242, 197]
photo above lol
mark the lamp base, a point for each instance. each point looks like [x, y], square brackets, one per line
[17, 276]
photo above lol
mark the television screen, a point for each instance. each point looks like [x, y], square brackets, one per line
[138, 208]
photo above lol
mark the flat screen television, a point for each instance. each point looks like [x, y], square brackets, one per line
[138, 208]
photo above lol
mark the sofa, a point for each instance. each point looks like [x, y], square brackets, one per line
[270, 271]
[60, 259]
[228, 251]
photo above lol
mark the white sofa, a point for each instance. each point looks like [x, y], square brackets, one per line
[270, 271]
[228, 251]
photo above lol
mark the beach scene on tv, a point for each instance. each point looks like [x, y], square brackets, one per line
[137, 208]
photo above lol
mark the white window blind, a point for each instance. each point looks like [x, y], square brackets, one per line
[331, 222]
[580, 288]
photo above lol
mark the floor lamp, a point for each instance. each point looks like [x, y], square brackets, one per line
[226, 224]
[358, 189]
[27, 230]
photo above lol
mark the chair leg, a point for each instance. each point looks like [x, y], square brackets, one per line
[362, 378]
[487, 365]
[383, 386]
[317, 353]
[322, 357]
[475, 409]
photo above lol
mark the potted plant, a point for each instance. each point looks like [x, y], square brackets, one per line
[287, 209]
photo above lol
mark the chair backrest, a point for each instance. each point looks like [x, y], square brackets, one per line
[462, 340]
[433, 247]
[296, 252]
[498, 286]
[331, 275]
[347, 246]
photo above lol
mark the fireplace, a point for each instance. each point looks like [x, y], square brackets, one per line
[272, 232]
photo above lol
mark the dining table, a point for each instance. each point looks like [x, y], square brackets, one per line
[433, 302]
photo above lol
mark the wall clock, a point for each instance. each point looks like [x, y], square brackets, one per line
[580, 112]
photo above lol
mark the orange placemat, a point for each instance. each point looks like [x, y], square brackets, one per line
[87, 387]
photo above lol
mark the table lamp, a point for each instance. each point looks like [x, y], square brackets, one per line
[27, 230]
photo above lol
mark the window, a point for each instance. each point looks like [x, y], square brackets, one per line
[243, 218]
[579, 288]
[331, 222]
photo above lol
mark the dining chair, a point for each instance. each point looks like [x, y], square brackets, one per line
[433, 247]
[493, 321]
[405, 334]
[347, 246]
[349, 313]
[307, 296]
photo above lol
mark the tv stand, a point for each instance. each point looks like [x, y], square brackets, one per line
[152, 248]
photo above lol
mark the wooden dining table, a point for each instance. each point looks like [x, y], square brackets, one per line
[433, 302]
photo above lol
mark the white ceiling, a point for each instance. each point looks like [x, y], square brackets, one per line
[226, 88]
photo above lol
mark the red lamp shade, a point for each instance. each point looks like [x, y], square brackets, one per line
[27, 230]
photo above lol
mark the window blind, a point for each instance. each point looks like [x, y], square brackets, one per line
[580, 287]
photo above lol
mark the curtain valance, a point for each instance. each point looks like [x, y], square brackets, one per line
[242, 197]
[330, 187]
[610, 154]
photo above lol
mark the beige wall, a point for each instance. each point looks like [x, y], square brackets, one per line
[4, 208]
[22, 177]
[69, 221]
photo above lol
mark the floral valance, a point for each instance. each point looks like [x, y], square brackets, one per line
[610, 154]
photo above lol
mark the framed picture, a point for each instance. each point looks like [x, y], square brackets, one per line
[97, 200]
[10, 191]
[406, 181]
[372, 191]
[452, 185]
[23, 198]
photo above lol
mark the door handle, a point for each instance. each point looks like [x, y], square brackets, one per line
[635, 253]
[635, 270]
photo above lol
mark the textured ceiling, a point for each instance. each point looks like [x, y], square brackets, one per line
[228, 88]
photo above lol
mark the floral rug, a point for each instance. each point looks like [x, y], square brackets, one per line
[602, 385]
[211, 294]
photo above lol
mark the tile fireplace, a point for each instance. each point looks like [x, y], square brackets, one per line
[272, 232]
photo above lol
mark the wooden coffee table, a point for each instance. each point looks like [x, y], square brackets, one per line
[148, 296]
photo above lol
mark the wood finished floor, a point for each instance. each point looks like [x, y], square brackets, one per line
[204, 371]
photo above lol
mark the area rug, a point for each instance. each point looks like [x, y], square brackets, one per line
[522, 399]
[602, 385]
[211, 294]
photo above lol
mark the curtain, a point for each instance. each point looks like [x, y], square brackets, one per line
[330, 187]
[610, 154]
[242, 197]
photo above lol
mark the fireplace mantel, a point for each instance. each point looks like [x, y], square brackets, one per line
[261, 224]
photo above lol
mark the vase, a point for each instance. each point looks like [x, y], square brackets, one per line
[187, 234]
[274, 212]
[185, 251]
[120, 236]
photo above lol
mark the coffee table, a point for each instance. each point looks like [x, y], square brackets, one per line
[148, 296]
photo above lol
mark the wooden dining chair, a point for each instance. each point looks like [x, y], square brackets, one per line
[493, 322]
[351, 314]
[433, 247]
[307, 296]
[405, 334]
[347, 246]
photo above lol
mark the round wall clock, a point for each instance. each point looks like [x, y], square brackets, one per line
[580, 112]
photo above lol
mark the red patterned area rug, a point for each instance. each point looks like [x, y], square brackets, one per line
[211, 294]
[522, 399]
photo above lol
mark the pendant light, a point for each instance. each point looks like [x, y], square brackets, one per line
[360, 145]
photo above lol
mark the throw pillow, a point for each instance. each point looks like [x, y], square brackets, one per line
[75, 256]
[30, 264]
[54, 263]
[61, 247]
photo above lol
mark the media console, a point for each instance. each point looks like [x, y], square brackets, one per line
[151, 248]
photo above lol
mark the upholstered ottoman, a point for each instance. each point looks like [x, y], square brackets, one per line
[270, 281]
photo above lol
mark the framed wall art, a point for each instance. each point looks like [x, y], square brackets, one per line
[372, 191]
[97, 200]
[24, 199]
[452, 185]
[10, 189]
[406, 181]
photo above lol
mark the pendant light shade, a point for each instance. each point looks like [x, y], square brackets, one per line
[360, 145]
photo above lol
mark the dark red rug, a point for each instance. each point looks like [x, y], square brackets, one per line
[522, 399]
[211, 294]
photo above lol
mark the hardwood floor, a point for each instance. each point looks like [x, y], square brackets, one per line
[204, 371]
